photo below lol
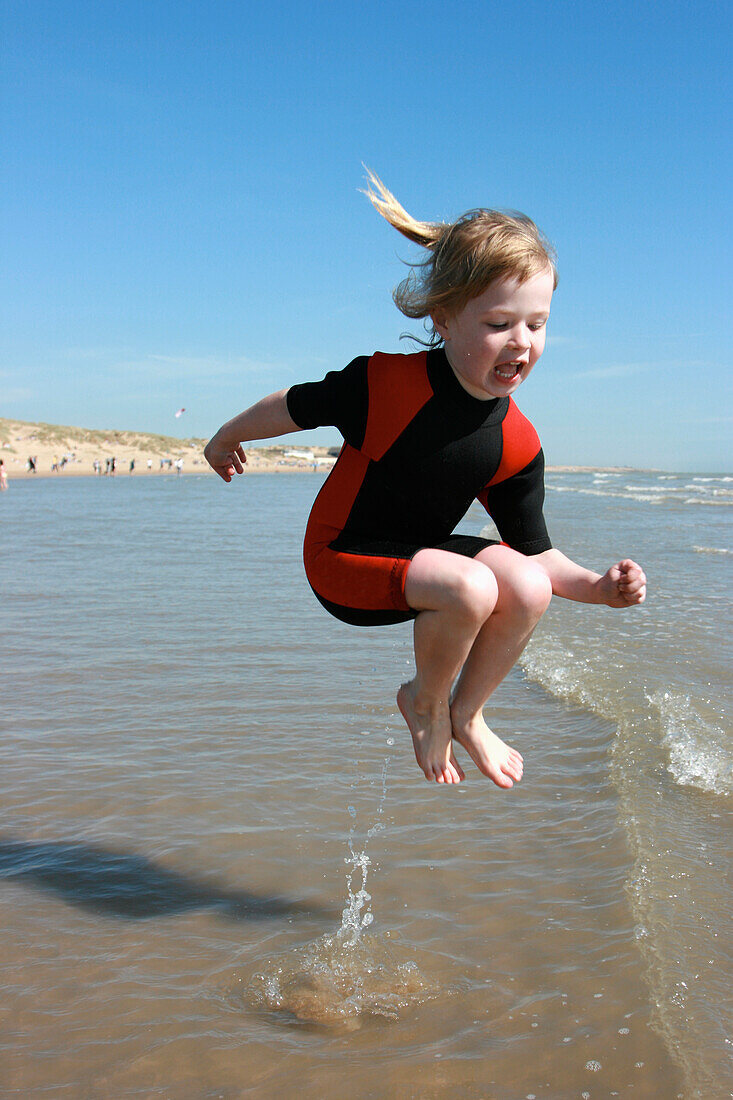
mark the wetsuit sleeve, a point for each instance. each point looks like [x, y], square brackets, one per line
[515, 505]
[341, 399]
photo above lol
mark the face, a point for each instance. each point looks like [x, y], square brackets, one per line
[495, 340]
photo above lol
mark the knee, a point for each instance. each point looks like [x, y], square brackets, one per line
[475, 592]
[530, 593]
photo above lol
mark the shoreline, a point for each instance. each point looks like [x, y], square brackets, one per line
[258, 466]
[61, 451]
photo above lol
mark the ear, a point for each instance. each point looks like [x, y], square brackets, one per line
[440, 324]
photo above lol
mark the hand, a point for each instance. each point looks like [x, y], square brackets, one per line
[226, 461]
[623, 585]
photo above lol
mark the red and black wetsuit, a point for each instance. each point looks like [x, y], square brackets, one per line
[418, 449]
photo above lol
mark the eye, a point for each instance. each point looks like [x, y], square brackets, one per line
[538, 325]
[497, 326]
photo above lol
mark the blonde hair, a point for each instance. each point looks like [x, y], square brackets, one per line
[465, 256]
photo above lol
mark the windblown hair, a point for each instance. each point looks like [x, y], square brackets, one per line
[465, 256]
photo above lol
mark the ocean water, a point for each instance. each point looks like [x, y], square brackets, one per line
[222, 874]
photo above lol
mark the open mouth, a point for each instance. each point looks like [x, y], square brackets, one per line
[508, 371]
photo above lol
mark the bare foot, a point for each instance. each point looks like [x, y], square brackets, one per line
[431, 738]
[491, 756]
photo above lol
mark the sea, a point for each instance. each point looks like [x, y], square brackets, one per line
[222, 874]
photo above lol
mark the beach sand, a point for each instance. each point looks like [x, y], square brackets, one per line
[62, 451]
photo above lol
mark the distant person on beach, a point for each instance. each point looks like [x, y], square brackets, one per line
[3, 476]
[132, 465]
[425, 434]
[31, 465]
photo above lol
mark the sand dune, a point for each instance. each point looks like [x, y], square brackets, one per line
[62, 451]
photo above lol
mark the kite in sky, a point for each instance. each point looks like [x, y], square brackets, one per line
[180, 412]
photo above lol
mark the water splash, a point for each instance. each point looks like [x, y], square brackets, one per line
[698, 750]
[340, 979]
[353, 921]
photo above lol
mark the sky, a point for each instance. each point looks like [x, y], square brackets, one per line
[183, 225]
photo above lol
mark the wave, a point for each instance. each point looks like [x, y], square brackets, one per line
[711, 550]
[696, 746]
[648, 495]
[670, 765]
[645, 496]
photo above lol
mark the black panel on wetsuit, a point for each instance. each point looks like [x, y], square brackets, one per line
[341, 399]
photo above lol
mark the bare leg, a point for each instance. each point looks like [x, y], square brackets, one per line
[524, 594]
[454, 596]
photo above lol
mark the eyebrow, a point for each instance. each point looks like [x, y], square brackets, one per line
[510, 313]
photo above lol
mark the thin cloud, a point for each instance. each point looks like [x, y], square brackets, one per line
[624, 370]
[16, 393]
[191, 366]
[554, 341]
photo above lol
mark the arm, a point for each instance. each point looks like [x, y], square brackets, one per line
[623, 585]
[267, 418]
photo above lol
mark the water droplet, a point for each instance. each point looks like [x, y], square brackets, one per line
[352, 811]
[623, 1031]
[390, 740]
[364, 733]
[593, 1066]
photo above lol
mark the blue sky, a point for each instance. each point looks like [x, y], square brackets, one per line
[182, 222]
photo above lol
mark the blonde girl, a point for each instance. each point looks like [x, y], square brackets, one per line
[424, 435]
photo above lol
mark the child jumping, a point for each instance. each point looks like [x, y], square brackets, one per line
[424, 435]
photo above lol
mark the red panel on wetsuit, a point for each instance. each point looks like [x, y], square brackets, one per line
[359, 581]
[520, 444]
[336, 498]
[398, 389]
[352, 580]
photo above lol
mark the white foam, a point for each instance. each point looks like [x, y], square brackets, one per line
[650, 494]
[711, 550]
[697, 747]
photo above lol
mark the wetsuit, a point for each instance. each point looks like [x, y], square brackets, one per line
[418, 449]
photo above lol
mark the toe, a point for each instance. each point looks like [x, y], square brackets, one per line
[452, 773]
[457, 768]
[501, 775]
[513, 770]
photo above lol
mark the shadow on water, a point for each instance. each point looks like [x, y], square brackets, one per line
[131, 886]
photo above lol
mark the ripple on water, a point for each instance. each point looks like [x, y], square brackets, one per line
[339, 980]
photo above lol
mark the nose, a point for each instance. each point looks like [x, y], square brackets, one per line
[519, 336]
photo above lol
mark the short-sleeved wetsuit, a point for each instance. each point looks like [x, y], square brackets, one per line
[418, 449]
